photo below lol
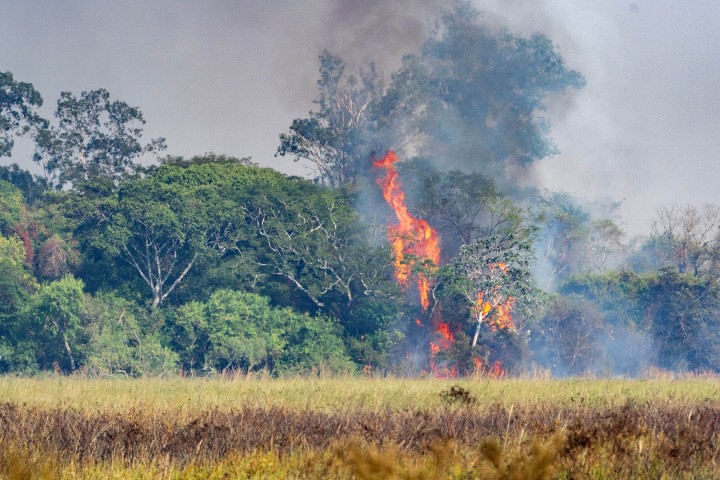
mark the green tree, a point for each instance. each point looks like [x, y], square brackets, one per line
[18, 102]
[684, 314]
[16, 287]
[471, 97]
[32, 186]
[57, 311]
[336, 139]
[11, 207]
[121, 341]
[493, 275]
[158, 226]
[238, 330]
[312, 239]
[95, 138]
[664, 318]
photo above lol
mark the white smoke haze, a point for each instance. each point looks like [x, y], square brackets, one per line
[230, 76]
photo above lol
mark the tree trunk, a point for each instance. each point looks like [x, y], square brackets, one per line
[477, 332]
[156, 300]
[69, 352]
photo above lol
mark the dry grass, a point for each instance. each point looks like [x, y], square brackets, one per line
[358, 428]
[332, 394]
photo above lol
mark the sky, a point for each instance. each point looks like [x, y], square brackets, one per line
[229, 77]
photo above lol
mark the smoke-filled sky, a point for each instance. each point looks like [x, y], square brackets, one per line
[229, 76]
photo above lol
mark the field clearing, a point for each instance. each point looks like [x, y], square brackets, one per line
[73, 427]
[330, 394]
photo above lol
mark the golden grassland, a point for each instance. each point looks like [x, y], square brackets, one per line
[332, 393]
[351, 427]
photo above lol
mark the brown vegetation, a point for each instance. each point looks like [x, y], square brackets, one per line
[579, 439]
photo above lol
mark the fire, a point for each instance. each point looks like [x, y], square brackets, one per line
[495, 371]
[502, 312]
[444, 330]
[412, 239]
[500, 307]
[442, 342]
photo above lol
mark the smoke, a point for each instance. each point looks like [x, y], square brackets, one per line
[230, 76]
[378, 31]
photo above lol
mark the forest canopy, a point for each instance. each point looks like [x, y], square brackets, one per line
[114, 264]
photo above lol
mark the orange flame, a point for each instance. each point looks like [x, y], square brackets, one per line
[412, 238]
[495, 371]
[478, 364]
[442, 343]
[444, 330]
[501, 318]
[501, 308]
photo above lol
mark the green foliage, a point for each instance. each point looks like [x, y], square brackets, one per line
[472, 95]
[685, 320]
[157, 226]
[33, 187]
[18, 101]
[241, 331]
[16, 287]
[671, 320]
[95, 138]
[11, 207]
[121, 343]
[313, 344]
[57, 313]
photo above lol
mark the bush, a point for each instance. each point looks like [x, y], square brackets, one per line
[239, 330]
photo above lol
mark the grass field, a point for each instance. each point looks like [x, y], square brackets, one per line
[69, 427]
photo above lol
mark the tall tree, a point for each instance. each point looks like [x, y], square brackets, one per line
[18, 103]
[156, 228]
[335, 139]
[472, 97]
[95, 138]
[16, 287]
[57, 311]
[311, 238]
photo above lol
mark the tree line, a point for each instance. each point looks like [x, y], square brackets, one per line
[212, 263]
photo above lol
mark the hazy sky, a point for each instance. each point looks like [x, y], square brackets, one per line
[229, 77]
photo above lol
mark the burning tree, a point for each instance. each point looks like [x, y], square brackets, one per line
[493, 275]
[413, 240]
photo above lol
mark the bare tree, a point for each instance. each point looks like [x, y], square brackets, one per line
[688, 238]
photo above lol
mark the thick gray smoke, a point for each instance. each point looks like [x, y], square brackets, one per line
[230, 76]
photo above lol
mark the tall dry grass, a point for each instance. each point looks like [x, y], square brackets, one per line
[359, 428]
